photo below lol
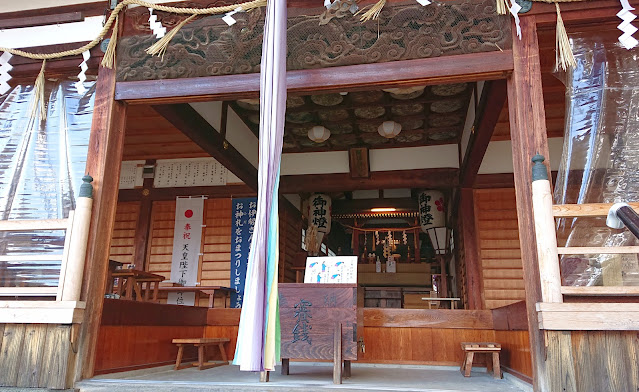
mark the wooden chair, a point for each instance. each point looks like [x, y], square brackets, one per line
[201, 344]
[470, 349]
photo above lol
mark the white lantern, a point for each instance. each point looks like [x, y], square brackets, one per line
[319, 212]
[389, 129]
[319, 134]
[432, 211]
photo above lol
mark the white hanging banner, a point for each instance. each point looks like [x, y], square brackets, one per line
[319, 212]
[187, 239]
[432, 212]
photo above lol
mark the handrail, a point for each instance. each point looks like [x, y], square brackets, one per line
[583, 210]
[33, 225]
[37, 224]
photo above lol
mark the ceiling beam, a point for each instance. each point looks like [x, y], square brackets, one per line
[195, 127]
[340, 182]
[165, 194]
[490, 106]
[404, 204]
[362, 77]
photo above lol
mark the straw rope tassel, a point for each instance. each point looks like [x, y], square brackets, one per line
[502, 7]
[37, 102]
[159, 48]
[565, 59]
[109, 56]
[373, 12]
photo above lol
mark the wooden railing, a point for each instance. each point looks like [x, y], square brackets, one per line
[553, 312]
[35, 225]
[594, 210]
[66, 308]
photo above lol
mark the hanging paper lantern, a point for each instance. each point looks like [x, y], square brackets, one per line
[319, 212]
[389, 129]
[432, 211]
[319, 134]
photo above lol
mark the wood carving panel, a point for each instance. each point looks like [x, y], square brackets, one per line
[316, 39]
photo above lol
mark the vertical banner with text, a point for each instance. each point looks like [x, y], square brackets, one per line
[242, 223]
[187, 241]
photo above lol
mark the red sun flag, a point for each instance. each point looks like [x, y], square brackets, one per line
[188, 213]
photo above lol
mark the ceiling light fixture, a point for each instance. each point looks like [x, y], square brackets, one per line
[389, 129]
[384, 209]
[319, 134]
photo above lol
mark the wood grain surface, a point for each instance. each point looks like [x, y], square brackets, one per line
[427, 318]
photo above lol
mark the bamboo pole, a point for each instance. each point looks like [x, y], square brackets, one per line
[547, 255]
[72, 280]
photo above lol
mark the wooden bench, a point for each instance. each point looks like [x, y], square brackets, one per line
[201, 344]
[470, 349]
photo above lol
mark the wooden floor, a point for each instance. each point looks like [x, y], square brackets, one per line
[306, 376]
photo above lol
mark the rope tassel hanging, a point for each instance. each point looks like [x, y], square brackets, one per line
[37, 102]
[159, 48]
[109, 56]
[373, 12]
[502, 7]
[565, 58]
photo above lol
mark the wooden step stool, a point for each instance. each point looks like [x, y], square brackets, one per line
[201, 344]
[481, 348]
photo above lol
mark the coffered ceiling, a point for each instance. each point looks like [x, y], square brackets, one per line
[428, 116]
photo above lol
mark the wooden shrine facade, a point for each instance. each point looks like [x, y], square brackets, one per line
[561, 358]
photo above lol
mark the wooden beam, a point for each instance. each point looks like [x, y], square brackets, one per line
[104, 158]
[592, 250]
[428, 318]
[143, 227]
[589, 316]
[338, 182]
[165, 194]
[36, 224]
[405, 204]
[528, 135]
[471, 249]
[87, 9]
[30, 21]
[193, 125]
[429, 71]
[491, 104]
[594, 209]
[607, 291]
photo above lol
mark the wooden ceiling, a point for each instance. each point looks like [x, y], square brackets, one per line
[428, 115]
[150, 136]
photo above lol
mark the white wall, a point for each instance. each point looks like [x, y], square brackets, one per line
[27, 37]
[426, 157]
[499, 157]
[315, 163]
[237, 133]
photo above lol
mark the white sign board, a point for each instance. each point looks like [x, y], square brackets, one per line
[181, 298]
[171, 173]
[187, 239]
[131, 174]
[336, 269]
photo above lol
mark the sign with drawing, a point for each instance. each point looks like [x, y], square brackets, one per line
[336, 269]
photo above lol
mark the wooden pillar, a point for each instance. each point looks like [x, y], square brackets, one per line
[528, 135]
[547, 256]
[143, 227]
[471, 251]
[416, 242]
[103, 164]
